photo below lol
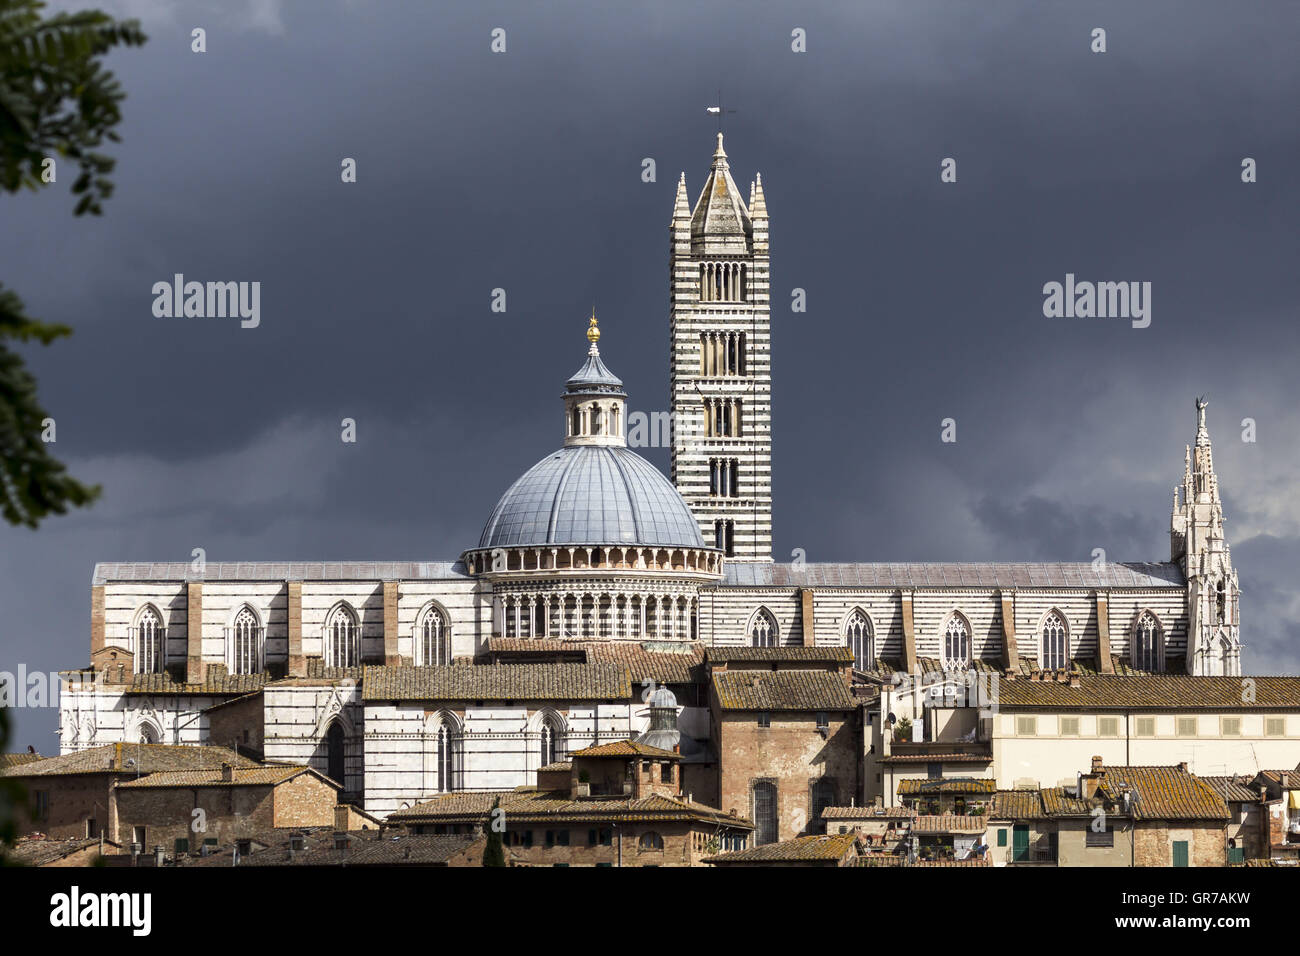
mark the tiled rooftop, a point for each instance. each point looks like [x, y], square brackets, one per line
[782, 691]
[947, 785]
[665, 662]
[1155, 692]
[806, 849]
[626, 748]
[131, 759]
[828, 653]
[530, 805]
[498, 682]
[243, 777]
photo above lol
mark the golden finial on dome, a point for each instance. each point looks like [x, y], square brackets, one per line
[593, 333]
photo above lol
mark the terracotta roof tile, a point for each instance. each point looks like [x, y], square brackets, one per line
[867, 813]
[806, 849]
[665, 662]
[531, 805]
[782, 690]
[947, 785]
[1018, 805]
[626, 748]
[1155, 692]
[949, 823]
[1232, 789]
[243, 777]
[498, 682]
[826, 653]
[131, 759]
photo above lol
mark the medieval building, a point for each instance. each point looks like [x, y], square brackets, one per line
[597, 580]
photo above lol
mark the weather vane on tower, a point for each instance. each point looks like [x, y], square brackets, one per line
[720, 110]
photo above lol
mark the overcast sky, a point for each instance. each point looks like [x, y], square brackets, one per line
[523, 170]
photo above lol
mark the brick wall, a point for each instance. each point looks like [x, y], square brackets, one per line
[793, 754]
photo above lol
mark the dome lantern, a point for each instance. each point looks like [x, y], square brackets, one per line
[594, 400]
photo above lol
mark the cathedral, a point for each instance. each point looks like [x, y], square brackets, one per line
[598, 584]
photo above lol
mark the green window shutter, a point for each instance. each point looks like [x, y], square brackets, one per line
[1002, 836]
[1236, 855]
[1180, 853]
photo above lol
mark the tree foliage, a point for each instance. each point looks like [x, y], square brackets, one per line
[56, 102]
[494, 853]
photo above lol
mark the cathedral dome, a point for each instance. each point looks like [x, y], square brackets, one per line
[592, 495]
[594, 491]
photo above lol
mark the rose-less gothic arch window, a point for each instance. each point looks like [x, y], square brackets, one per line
[762, 632]
[245, 642]
[434, 638]
[1055, 652]
[342, 638]
[858, 637]
[956, 642]
[148, 642]
[1147, 643]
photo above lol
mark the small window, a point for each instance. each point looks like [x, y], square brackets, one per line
[1230, 726]
[244, 847]
[652, 841]
[1107, 726]
[823, 722]
[666, 773]
[1145, 727]
[1274, 726]
[1186, 726]
[1069, 726]
[1103, 838]
[1002, 836]
[42, 798]
[139, 835]
[1026, 726]
[764, 719]
[606, 837]
[933, 771]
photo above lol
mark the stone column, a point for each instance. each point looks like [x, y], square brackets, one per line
[297, 662]
[391, 593]
[194, 667]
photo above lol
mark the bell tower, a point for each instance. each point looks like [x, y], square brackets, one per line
[720, 380]
[1196, 542]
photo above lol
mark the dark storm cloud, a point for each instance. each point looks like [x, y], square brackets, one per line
[522, 171]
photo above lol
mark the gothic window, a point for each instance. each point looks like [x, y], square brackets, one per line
[1147, 643]
[858, 637]
[550, 738]
[342, 638]
[448, 753]
[762, 632]
[651, 841]
[149, 644]
[764, 796]
[1054, 654]
[245, 643]
[956, 642]
[434, 638]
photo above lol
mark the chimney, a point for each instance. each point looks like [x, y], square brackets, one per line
[227, 773]
[1285, 779]
[1098, 767]
[1182, 767]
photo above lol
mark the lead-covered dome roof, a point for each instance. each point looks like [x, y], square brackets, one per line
[592, 495]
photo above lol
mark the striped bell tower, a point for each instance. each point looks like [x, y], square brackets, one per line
[721, 378]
